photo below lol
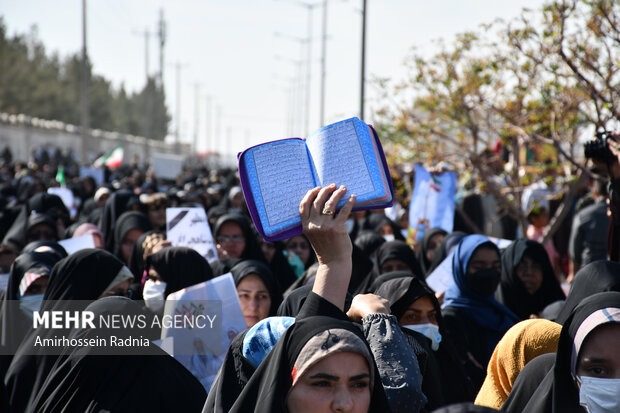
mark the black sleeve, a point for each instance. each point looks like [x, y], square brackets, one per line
[317, 305]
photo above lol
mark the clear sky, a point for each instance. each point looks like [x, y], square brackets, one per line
[232, 49]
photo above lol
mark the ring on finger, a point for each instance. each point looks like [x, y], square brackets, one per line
[327, 212]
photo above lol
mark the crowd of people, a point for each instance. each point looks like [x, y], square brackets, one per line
[339, 318]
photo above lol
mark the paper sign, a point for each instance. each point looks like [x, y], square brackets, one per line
[167, 166]
[72, 245]
[66, 195]
[188, 227]
[222, 290]
[441, 278]
[98, 174]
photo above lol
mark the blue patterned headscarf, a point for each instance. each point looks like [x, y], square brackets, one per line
[486, 311]
[263, 336]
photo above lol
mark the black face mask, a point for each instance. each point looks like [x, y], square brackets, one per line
[483, 282]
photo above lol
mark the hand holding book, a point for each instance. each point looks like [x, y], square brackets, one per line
[327, 234]
[276, 175]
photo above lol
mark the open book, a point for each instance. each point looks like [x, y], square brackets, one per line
[276, 175]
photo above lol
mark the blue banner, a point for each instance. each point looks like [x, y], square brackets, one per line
[432, 202]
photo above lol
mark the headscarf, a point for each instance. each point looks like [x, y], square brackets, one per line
[14, 325]
[232, 377]
[494, 317]
[512, 293]
[401, 289]
[51, 247]
[247, 350]
[596, 277]
[125, 223]
[280, 267]
[464, 408]
[527, 383]
[447, 245]
[296, 351]
[41, 203]
[252, 250]
[248, 267]
[84, 275]
[522, 343]
[368, 241]
[263, 336]
[558, 392]
[223, 265]
[119, 202]
[86, 382]
[86, 229]
[137, 260]
[376, 221]
[296, 300]
[390, 250]
[179, 267]
[425, 264]
[361, 267]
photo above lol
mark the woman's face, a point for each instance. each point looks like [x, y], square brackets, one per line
[157, 215]
[599, 356]
[530, 273]
[482, 259]
[255, 299]
[394, 265]
[38, 286]
[386, 229]
[129, 240]
[269, 250]
[231, 239]
[120, 289]
[433, 243]
[338, 383]
[421, 311]
[300, 247]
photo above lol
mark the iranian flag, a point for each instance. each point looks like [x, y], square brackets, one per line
[112, 159]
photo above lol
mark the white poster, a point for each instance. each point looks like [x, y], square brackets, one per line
[441, 278]
[188, 227]
[72, 245]
[195, 348]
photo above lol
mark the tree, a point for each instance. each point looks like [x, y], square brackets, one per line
[541, 79]
[38, 85]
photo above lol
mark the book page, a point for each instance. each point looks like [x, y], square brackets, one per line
[338, 158]
[284, 177]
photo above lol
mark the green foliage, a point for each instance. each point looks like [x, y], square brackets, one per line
[41, 85]
[539, 79]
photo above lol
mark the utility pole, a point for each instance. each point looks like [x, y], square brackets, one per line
[323, 58]
[208, 135]
[218, 122]
[161, 32]
[85, 81]
[309, 7]
[148, 104]
[177, 132]
[363, 75]
[196, 115]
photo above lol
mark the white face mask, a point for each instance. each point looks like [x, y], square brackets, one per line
[153, 294]
[388, 237]
[599, 395]
[430, 331]
[30, 304]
